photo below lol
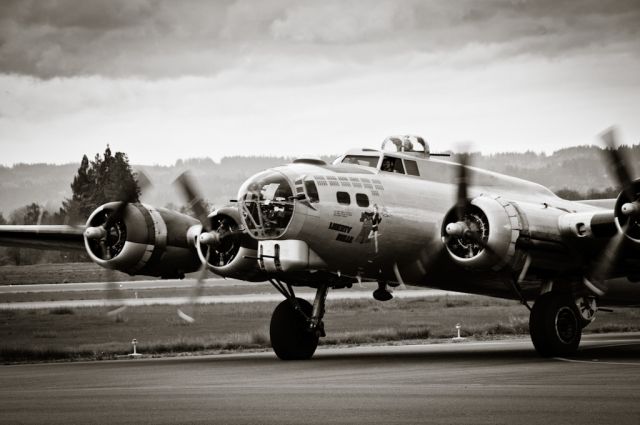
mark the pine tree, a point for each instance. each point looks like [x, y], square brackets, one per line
[105, 179]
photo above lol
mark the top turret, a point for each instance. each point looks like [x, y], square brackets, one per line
[408, 144]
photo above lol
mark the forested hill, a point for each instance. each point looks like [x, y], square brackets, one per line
[578, 168]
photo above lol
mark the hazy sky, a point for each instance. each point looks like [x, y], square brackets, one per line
[163, 80]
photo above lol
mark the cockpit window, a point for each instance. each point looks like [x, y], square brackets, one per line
[312, 191]
[392, 165]
[266, 204]
[366, 160]
[412, 167]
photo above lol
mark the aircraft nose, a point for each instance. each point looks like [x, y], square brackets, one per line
[266, 203]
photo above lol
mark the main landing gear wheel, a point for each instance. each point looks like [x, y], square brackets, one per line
[291, 337]
[555, 325]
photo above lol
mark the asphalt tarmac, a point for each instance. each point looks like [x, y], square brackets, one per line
[463, 383]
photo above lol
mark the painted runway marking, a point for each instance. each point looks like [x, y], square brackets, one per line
[594, 345]
[212, 299]
[141, 284]
[596, 362]
[617, 344]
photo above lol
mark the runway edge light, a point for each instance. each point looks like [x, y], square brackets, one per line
[135, 353]
[458, 338]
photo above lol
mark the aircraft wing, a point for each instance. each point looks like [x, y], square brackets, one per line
[54, 237]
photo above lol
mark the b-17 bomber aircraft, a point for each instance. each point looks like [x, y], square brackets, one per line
[396, 216]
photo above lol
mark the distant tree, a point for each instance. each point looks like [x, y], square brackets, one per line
[79, 206]
[2, 219]
[608, 193]
[574, 195]
[569, 194]
[114, 178]
[105, 179]
[35, 214]
[29, 214]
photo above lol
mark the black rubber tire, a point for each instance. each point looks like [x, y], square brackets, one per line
[290, 338]
[555, 325]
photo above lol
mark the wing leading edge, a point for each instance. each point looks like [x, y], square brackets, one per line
[52, 237]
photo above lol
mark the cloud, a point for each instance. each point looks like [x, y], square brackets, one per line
[277, 106]
[164, 39]
[336, 22]
[163, 80]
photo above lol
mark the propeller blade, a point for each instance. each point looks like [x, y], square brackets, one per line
[184, 316]
[462, 180]
[130, 195]
[115, 215]
[143, 180]
[112, 289]
[190, 192]
[117, 311]
[196, 292]
[460, 228]
[603, 267]
[618, 163]
[476, 238]
[595, 279]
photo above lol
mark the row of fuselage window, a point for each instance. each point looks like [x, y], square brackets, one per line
[343, 198]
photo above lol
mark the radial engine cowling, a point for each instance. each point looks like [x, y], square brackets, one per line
[494, 220]
[145, 240]
[233, 255]
[627, 212]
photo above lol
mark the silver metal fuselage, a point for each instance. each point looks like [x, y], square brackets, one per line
[406, 243]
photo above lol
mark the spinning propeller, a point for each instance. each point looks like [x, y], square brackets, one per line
[627, 214]
[468, 227]
[467, 232]
[109, 237]
[209, 240]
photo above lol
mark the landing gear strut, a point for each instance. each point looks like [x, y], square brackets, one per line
[296, 325]
[555, 325]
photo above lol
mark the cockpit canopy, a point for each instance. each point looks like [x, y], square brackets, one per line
[266, 204]
[362, 159]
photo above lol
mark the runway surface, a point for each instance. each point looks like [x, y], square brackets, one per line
[464, 383]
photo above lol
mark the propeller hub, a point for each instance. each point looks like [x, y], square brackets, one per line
[457, 229]
[97, 232]
[210, 238]
[631, 208]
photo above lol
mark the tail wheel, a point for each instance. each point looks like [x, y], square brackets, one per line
[291, 338]
[555, 325]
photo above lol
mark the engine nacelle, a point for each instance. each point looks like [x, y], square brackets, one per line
[145, 240]
[235, 256]
[497, 222]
